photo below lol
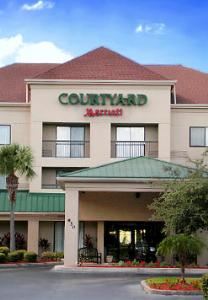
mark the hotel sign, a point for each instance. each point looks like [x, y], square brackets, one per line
[102, 100]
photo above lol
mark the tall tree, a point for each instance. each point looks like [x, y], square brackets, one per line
[15, 161]
[183, 206]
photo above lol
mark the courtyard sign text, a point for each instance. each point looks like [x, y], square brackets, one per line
[102, 99]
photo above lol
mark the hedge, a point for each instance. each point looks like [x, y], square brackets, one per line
[4, 250]
[13, 256]
[30, 256]
[2, 258]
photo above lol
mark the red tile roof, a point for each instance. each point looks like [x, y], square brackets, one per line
[191, 86]
[101, 64]
[104, 64]
[12, 85]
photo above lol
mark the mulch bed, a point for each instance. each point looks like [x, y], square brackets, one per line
[175, 287]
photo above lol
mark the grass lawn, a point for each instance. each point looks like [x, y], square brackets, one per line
[174, 283]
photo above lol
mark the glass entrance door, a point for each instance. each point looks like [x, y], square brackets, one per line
[132, 240]
[126, 244]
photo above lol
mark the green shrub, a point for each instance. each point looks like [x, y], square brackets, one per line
[2, 257]
[135, 262]
[30, 256]
[164, 264]
[59, 255]
[205, 285]
[4, 250]
[44, 244]
[13, 256]
[121, 263]
[151, 265]
[21, 254]
[49, 255]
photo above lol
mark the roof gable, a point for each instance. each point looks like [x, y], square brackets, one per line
[134, 168]
[12, 84]
[101, 64]
[191, 85]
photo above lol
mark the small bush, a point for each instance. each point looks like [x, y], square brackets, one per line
[204, 281]
[4, 250]
[13, 256]
[135, 262]
[49, 255]
[21, 254]
[59, 255]
[20, 242]
[151, 265]
[44, 244]
[2, 257]
[121, 263]
[30, 256]
[164, 264]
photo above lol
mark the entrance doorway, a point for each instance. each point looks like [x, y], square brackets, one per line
[132, 240]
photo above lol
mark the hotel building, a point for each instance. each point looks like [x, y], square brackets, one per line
[103, 130]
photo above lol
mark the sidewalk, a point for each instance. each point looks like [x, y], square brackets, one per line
[128, 270]
[26, 265]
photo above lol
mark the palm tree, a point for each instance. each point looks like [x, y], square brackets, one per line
[183, 246]
[15, 160]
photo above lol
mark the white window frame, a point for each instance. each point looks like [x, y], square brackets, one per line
[135, 148]
[205, 139]
[9, 139]
[74, 150]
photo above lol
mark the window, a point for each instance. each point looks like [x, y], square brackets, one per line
[5, 139]
[5, 135]
[2, 182]
[59, 236]
[130, 141]
[199, 136]
[70, 141]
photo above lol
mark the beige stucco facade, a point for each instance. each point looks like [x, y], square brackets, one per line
[96, 203]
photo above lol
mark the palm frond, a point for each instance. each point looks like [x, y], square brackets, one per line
[16, 158]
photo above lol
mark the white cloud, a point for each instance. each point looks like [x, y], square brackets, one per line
[153, 28]
[15, 49]
[38, 5]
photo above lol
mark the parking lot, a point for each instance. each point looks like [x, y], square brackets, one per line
[44, 284]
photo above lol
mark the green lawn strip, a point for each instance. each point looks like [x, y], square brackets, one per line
[171, 280]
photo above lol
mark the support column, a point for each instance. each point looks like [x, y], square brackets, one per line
[164, 141]
[33, 235]
[71, 227]
[100, 238]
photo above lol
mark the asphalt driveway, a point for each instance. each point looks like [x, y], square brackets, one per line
[43, 284]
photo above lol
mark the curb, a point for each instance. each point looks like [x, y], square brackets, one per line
[126, 270]
[149, 290]
[26, 265]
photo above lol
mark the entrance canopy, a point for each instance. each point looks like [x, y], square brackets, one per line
[138, 168]
[135, 177]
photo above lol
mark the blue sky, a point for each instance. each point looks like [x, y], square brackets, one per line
[148, 31]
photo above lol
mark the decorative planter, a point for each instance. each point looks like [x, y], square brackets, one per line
[109, 258]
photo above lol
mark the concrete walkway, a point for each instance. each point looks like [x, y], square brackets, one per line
[31, 265]
[115, 270]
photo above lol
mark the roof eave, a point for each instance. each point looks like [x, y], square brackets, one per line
[17, 104]
[188, 105]
[113, 180]
[102, 82]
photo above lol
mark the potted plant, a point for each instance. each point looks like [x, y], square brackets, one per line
[109, 259]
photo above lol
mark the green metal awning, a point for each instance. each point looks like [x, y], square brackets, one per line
[34, 202]
[134, 168]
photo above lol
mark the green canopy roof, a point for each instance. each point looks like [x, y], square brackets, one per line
[138, 167]
[34, 202]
